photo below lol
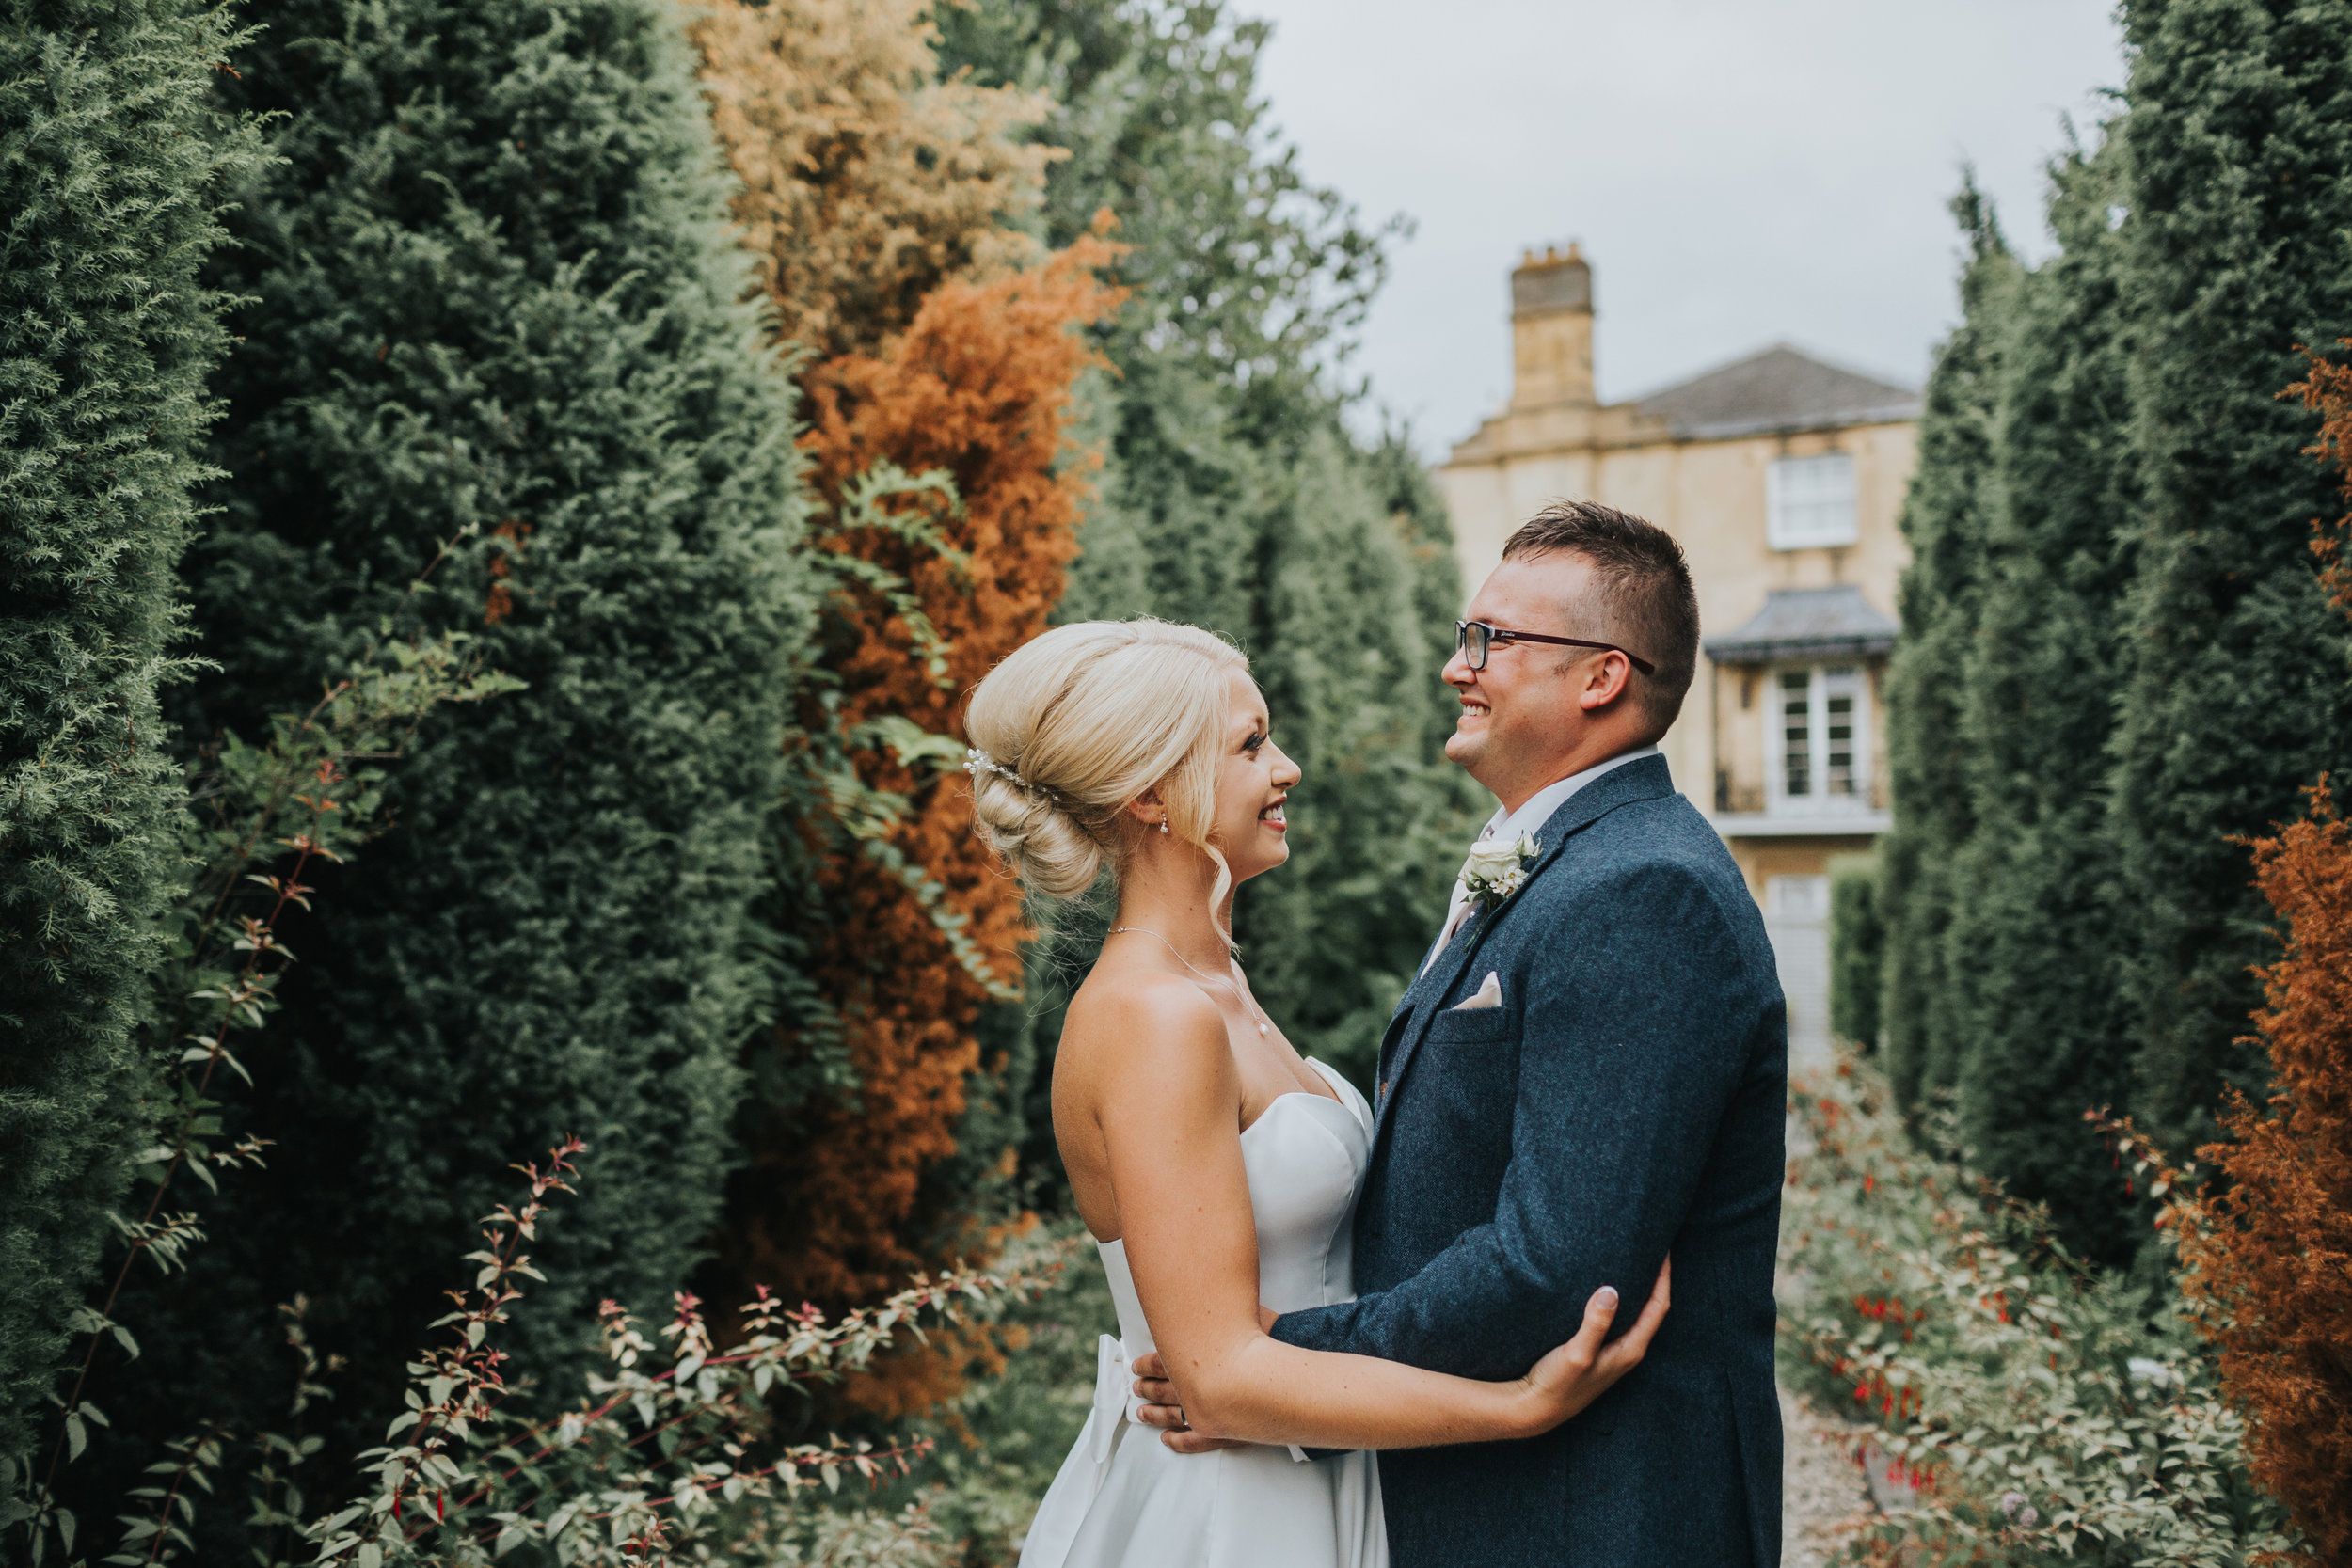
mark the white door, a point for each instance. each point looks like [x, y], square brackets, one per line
[1796, 918]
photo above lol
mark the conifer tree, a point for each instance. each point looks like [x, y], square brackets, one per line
[979, 387]
[1942, 520]
[2032, 955]
[1343, 654]
[884, 204]
[1857, 950]
[869, 179]
[112, 163]
[492, 286]
[2241, 195]
[1234, 497]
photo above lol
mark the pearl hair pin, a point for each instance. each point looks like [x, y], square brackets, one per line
[977, 762]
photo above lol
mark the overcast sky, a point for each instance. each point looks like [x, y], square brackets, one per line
[1740, 171]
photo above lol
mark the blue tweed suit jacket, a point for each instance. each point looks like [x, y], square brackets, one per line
[1627, 1099]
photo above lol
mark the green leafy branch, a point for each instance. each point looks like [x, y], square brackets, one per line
[671, 1452]
[867, 507]
[259, 816]
[873, 501]
[870, 816]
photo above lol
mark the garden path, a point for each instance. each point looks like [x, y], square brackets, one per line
[1824, 1495]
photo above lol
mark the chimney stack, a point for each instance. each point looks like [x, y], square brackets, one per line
[1552, 329]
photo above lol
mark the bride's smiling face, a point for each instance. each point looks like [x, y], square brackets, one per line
[1254, 779]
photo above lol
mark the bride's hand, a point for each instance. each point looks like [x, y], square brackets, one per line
[1579, 1373]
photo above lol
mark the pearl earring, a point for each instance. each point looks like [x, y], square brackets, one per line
[1163, 827]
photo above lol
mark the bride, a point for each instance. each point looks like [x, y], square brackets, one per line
[1218, 1168]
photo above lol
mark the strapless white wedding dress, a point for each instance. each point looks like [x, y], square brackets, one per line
[1125, 1501]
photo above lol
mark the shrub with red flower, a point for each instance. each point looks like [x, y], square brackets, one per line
[2037, 1409]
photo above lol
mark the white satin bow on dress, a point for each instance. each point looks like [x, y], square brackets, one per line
[1113, 1397]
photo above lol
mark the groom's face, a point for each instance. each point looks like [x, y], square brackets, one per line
[1520, 716]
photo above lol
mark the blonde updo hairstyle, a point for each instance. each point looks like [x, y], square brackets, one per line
[1086, 719]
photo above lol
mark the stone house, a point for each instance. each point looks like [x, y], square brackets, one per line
[1782, 476]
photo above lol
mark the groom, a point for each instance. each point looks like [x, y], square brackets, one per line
[1589, 1074]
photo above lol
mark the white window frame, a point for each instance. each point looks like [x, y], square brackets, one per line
[1810, 503]
[1830, 788]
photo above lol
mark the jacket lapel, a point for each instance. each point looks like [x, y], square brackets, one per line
[1645, 780]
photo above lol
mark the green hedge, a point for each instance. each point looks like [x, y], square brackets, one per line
[112, 161]
[2034, 932]
[1857, 950]
[2241, 196]
[2116, 659]
[491, 286]
[1943, 522]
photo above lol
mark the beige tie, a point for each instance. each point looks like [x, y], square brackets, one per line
[1457, 910]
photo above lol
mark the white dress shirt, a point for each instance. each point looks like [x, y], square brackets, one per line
[1506, 825]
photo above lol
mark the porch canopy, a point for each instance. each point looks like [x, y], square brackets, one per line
[1807, 624]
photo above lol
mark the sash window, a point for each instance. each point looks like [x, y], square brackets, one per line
[1819, 748]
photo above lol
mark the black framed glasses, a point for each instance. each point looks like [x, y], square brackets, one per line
[1474, 640]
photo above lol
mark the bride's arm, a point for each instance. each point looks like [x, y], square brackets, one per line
[1169, 1113]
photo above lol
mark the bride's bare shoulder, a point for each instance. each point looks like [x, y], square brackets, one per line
[1128, 1001]
[1147, 1025]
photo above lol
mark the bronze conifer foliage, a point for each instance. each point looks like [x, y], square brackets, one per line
[868, 181]
[883, 204]
[2278, 1259]
[979, 387]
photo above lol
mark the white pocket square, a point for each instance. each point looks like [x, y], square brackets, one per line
[1489, 996]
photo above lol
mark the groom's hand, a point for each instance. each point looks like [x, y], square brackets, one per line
[1161, 1408]
[1161, 1411]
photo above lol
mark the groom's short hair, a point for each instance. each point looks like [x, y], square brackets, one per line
[1645, 602]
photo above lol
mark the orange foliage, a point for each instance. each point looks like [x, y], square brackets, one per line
[2327, 391]
[2277, 1259]
[980, 386]
[500, 603]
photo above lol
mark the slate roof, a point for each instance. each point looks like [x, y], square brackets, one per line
[1780, 388]
[1808, 623]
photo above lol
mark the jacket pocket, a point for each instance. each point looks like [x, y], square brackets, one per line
[1480, 1025]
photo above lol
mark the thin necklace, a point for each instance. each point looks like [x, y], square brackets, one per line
[1265, 1028]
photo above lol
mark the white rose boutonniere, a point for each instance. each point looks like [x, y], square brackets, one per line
[1497, 869]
